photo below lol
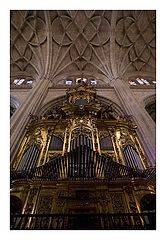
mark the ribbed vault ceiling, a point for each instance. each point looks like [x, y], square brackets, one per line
[60, 44]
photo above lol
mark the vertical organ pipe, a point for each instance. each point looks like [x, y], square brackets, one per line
[74, 143]
[29, 158]
[131, 157]
[36, 156]
[127, 156]
[88, 161]
[69, 162]
[134, 159]
[26, 158]
[32, 158]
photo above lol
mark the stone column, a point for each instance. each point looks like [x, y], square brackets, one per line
[21, 116]
[146, 127]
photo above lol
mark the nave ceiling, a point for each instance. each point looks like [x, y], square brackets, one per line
[102, 44]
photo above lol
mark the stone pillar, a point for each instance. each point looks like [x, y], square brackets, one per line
[21, 117]
[146, 127]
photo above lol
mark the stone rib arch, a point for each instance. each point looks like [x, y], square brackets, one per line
[14, 104]
[150, 99]
[59, 101]
[150, 106]
[55, 102]
[108, 42]
[114, 105]
[15, 101]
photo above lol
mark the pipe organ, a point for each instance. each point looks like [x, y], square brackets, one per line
[83, 125]
[81, 140]
[82, 145]
[81, 137]
[132, 158]
[29, 159]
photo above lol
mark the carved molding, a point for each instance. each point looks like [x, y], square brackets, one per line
[45, 204]
[117, 202]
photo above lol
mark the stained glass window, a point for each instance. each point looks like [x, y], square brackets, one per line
[142, 82]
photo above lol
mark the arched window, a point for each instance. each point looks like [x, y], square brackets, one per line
[29, 159]
[132, 158]
[56, 143]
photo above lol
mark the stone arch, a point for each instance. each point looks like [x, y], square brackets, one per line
[114, 105]
[14, 104]
[104, 101]
[149, 99]
[55, 102]
[150, 106]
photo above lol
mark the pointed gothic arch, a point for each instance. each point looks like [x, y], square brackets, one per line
[150, 106]
[59, 102]
[14, 104]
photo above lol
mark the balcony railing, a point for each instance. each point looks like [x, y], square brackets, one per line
[125, 221]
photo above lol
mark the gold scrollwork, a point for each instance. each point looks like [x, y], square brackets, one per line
[78, 131]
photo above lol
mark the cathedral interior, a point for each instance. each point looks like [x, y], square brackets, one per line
[83, 120]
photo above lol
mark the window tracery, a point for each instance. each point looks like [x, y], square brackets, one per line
[79, 80]
[142, 82]
[22, 82]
